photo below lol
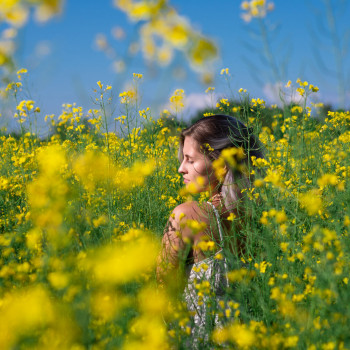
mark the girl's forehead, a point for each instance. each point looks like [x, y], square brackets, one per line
[191, 146]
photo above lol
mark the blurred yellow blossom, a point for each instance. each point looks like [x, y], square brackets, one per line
[121, 263]
[327, 179]
[311, 201]
[255, 8]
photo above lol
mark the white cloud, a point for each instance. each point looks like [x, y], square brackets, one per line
[194, 103]
[271, 93]
[279, 94]
[43, 48]
[198, 101]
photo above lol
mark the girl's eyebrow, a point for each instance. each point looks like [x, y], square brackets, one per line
[188, 156]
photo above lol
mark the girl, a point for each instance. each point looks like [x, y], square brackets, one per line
[194, 229]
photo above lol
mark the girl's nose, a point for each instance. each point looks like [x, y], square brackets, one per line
[182, 169]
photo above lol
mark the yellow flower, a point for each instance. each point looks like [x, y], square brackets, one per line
[262, 266]
[202, 51]
[20, 72]
[206, 245]
[258, 102]
[33, 238]
[298, 297]
[24, 312]
[153, 301]
[58, 280]
[178, 34]
[210, 88]
[327, 179]
[281, 217]
[291, 342]
[264, 219]
[259, 162]
[141, 10]
[208, 147]
[127, 97]
[241, 335]
[195, 226]
[328, 346]
[105, 303]
[313, 88]
[93, 168]
[137, 76]
[346, 220]
[231, 217]
[177, 99]
[255, 8]
[301, 91]
[16, 15]
[311, 201]
[102, 220]
[224, 71]
[47, 9]
[120, 263]
[274, 178]
[219, 168]
[284, 246]
[245, 5]
[259, 183]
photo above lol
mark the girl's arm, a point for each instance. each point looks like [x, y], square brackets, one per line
[172, 245]
[175, 244]
[177, 240]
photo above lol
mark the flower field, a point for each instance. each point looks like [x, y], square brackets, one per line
[82, 213]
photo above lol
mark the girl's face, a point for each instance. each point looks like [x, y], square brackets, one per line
[195, 164]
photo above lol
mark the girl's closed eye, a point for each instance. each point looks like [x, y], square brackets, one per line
[189, 160]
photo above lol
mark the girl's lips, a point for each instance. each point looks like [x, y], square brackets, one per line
[186, 181]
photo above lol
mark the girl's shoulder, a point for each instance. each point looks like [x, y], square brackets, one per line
[191, 210]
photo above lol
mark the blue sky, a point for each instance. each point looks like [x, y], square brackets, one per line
[69, 70]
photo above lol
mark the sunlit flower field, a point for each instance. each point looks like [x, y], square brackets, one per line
[83, 211]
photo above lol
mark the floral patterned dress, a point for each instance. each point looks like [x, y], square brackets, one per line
[207, 281]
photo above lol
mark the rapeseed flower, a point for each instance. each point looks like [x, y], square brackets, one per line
[120, 263]
[311, 201]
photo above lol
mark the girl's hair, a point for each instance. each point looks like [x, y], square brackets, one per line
[219, 132]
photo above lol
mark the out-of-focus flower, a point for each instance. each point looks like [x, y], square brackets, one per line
[118, 33]
[311, 201]
[255, 8]
[120, 263]
[164, 31]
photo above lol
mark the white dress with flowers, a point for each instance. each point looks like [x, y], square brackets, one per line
[206, 286]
